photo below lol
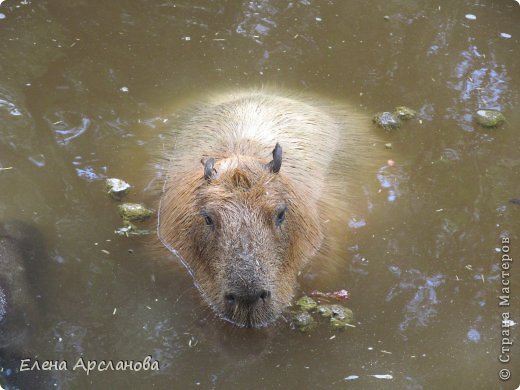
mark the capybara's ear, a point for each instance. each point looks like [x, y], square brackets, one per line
[275, 165]
[208, 168]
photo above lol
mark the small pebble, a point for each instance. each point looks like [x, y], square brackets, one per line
[304, 321]
[387, 120]
[489, 118]
[403, 112]
[117, 188]
[306, 303]
[133, 212]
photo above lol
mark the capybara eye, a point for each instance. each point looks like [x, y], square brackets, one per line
[207, 219]
[280, 215]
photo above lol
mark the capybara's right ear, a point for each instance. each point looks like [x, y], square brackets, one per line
[276, 163]
[208, 168]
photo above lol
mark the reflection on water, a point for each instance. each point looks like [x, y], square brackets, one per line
[10, 108]
[90, 89]
[390, 177]
[68, 126]
[421, 309]
[481, 82]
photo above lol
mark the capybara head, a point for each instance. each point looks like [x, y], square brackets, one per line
[243, 230]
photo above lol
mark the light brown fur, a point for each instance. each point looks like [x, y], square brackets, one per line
[226, 228]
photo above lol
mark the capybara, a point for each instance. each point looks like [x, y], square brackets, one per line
[19, 245]
[249, 184]
[16, 301]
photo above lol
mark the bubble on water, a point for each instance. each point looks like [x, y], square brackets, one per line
[2, 16]
[505, 35]
[471, 17]
[262, 29]
[356, 224]
[474, 335]
[391, 196]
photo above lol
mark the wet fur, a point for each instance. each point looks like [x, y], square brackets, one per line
[239, 131]
[17, 305]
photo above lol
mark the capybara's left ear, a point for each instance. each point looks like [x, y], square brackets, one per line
[275, 165]
[208, 168]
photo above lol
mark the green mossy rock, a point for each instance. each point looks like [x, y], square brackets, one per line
[324, 311]
[306, 303]
[342, 313]
[387, 120]
[134, 212]
[405, 113]
[303, 321]
[489, 118]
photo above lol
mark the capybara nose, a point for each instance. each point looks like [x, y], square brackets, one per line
[248, 297]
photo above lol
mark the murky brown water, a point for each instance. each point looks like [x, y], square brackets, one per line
[85, 88]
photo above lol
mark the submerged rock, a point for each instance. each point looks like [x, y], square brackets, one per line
[405, 113]
[341, 317]
[387, 120]
[342, 313]
[336, 323]
[303, 321]
[306, 303]
[489, 118]
[133, 212]
[324, 311]
[117, 188]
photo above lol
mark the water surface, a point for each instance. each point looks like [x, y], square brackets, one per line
[88, 90]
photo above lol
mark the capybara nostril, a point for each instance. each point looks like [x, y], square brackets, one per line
[265, 295]
[248, 297]
[251, 297]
